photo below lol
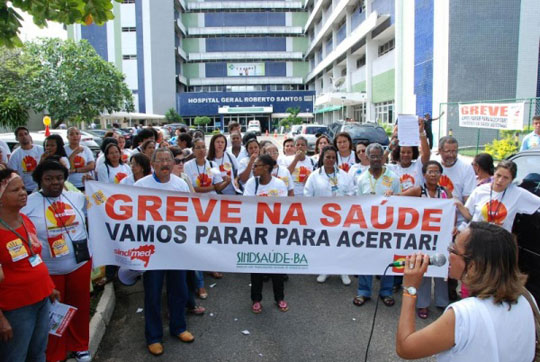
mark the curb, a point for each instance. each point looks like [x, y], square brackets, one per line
[101, 319]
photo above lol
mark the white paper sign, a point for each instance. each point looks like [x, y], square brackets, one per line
[408, 132]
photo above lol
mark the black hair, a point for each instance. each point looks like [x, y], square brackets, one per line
[323, 152]
[251, 140]
[485, 162]
[286, 140]
[6, 173]
[317, 150]
[146, 133]
[135, 141]
[429, 163]
[60, 151]
[106, 142]
[143, 161]
[185, 137]
[50, 164]
[20, 128]
[267, 160]
[509, 165]
[247, 137]
[347, 136]
[146, 143]
[109, 146]
[396, 153]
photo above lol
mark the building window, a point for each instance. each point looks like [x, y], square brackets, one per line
[129, 56]
[343, 72]
[386, 47]
[359, 113]
[384, 112]
[360, 62]
[128, 1]
[129, 29]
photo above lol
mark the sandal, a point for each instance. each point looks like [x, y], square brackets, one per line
[422, 313]
[360, 300]
[388, 300]
[197, 310]
[216, 275]
[282, 306]
[256, 307]
[201, 293]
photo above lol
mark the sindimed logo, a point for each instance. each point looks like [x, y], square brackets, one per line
[142, 253]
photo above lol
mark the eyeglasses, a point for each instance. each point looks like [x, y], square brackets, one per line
[179, 161]
[163, 160]
[452, 250]
[361, 151]
[433, 173]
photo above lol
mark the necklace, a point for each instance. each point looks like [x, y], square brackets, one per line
[492, 215]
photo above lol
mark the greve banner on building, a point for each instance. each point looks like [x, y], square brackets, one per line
[145, 229]
[492, 115]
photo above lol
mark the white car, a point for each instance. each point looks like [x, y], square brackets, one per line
[254, 126]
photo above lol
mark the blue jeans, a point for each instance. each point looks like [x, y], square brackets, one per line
[365, 283]
[30, 325]
[177, 295]
[200, 279]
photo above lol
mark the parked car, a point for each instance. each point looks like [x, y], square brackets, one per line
[295, 129]
[311, 132]
[527, 227]
[172, 127]
[254, 126]
[367, 132]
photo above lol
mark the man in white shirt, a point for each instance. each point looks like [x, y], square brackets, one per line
[532, 140]
[6, 152]
[458, 177]
[25, 158]
[162, 178]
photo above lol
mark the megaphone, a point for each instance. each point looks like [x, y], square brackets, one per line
[128, 277]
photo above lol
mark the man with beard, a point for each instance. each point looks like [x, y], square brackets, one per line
[162, 178]
[378, 180]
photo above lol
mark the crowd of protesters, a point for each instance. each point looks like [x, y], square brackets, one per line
[44, 254]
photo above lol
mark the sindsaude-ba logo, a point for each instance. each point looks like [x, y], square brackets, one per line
[251, 259]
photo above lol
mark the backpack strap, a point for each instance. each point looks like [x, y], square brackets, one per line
[256, 185]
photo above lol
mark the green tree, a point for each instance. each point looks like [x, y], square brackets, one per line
[292, 118]
[172, 116]
[71, 81]
[12, 111]
[202, 121]
[62, 11]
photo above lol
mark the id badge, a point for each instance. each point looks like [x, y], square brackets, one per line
[17, 250]
[335, 188]
[58, 246]
[35, 260]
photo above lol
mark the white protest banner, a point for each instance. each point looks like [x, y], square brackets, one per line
[492, 115]
[408, 132]
[142, 229]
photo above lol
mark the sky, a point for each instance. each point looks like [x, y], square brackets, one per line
[30, 31]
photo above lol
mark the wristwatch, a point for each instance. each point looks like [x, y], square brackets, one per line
[410, 290]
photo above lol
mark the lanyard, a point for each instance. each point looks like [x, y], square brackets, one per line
[204, 167]
[28, 241]
[373, 181]
[493, 215]
[333, 180]
[429, 196]
[348, 161]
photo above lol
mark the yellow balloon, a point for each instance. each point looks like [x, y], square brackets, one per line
[46, 121]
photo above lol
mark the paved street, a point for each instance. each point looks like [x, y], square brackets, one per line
[321, 325]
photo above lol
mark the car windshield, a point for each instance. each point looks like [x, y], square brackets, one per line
[316, 130]
[356, 131]
[526, 164]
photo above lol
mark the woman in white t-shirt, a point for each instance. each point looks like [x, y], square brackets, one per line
[81, 159]
[140, 167]
[204, 178]
[346, 157]
[300, 166]
[357, 169]
[113, 170]
[328, 180]
[54, 146]
[498, 202]
[279, 171]
[246, 164]
[224, 161]
[264, 184]
[409, 161]
[125, 152]
[495, 324]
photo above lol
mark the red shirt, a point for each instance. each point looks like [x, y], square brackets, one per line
[23, 284]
